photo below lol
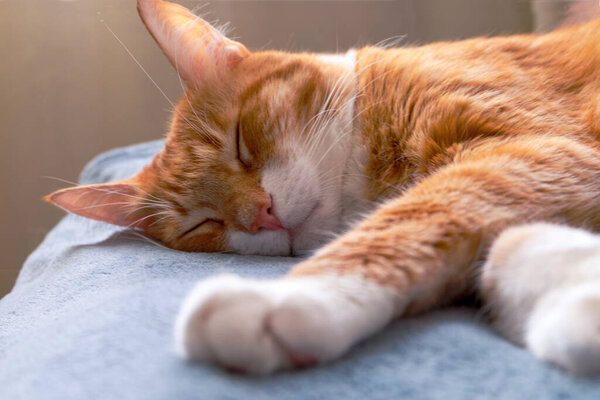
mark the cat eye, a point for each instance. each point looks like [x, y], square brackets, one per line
[193, 228]
[238, 146]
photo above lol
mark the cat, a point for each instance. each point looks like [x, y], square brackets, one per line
[417, 158]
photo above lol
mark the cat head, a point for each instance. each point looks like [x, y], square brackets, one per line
[256, 150]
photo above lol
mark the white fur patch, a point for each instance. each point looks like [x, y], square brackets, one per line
[543, 282]
[346, 60]
[354, 181]
[564, 328]
[263, 326]
[354, 185]
[270, 243]
[295, 189]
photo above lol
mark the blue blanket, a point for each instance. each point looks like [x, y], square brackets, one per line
[91, 317]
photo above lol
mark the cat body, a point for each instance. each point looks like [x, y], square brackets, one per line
[420, 156]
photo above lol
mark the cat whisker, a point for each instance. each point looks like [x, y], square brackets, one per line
[152, 200]
[339, 138]
[322, 129]
[138, 63]
[398, 190]
[149, 240]
[56, 178]
[186, 95]
[316, 132]
[160, 219]
[141, 200]
[325, 107]
[149, 77]
[124, 203]
[197, 10]
[390, 42]
[137, 221]
[322, 124]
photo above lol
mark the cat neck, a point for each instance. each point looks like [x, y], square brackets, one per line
[347, 152]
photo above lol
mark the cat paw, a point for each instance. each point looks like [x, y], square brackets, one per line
[259, 327]
[565, 329]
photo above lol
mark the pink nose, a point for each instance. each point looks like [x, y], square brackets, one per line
[266, 219]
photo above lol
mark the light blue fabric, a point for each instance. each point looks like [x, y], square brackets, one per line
[92, 313]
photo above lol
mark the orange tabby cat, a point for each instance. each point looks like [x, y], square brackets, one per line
[438, 148]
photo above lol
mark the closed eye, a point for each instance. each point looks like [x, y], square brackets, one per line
[241, 150]
[193, 228]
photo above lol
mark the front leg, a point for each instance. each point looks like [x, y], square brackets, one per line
[414, 253]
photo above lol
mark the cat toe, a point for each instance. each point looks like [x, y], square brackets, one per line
[305, 325]
[224, 321]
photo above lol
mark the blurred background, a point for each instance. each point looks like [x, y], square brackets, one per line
[69, 90]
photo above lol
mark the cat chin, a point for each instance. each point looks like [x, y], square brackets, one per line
[299, 241]
[268, 243]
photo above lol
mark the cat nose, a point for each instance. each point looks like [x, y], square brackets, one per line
[266, 219]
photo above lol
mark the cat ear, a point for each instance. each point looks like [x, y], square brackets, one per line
[196, 49]
[115, 203]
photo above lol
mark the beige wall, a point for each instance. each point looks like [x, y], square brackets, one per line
[68, 90]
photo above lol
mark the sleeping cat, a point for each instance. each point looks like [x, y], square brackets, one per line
[417, 157]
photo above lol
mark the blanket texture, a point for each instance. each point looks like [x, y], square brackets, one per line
[91, 317]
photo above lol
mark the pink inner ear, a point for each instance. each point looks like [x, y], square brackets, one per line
[113, 203]
[194, 47]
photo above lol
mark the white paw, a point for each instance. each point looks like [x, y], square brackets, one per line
[565, 329]
[262, 326]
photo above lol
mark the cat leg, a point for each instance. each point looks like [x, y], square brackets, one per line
[541, 283]
[413, 253]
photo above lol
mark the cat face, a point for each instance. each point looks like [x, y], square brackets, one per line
[254, 159]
